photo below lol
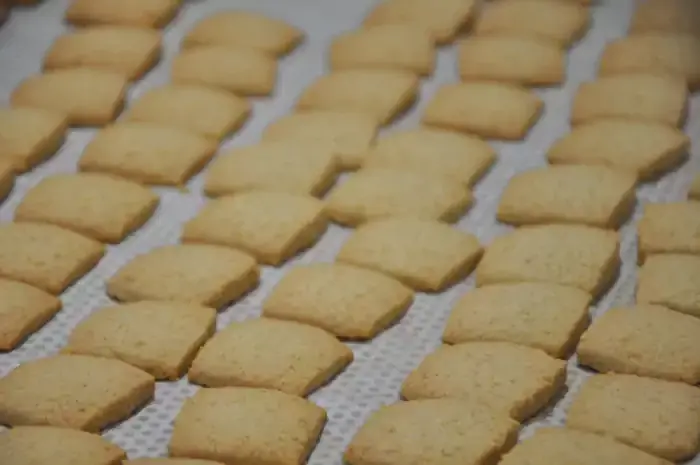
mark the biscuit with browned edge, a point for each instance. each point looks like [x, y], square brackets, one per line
[7, 177]
[694, 191]
[23, 310]
[28, 136]
[139, 13]
[672, 16]
[671, 280]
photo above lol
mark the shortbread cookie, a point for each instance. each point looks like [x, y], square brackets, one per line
[160, 338]
[434, 431]
[672, 281]
[23, 310]
[28, 136]
[243, 425]
[348, 134]
[168, 461]
[7, 177]
[659, 417]
[459, 157]
[26, 445]
[140, 13]
[488, 109]
[564, 445]
[592, 195]
[383, 193]
[191, 273]
[387, 46]
[509, 379]
[46, 256]
[290, 166]
[517, 60]
[540, 315]
[73, 391]
[571, 255]
[149, 153]
[381, 94]
[694, 191]
[669, 228]
[348, 301]
[424, 254]
[100, 206]
[246, 29]
[271, 226]
[88, 97]
[646, 149]
[263, 353]
[124, 50]
[666, 16]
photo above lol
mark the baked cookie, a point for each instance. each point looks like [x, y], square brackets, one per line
[23, 310]
[139, 13]
[666, 16]
[672, 281]
[7, 177]
[669, 228]
[28, 136]
[169, 461]
[694, 191]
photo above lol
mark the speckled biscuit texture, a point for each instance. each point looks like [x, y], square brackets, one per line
[671, 280]
[23, 310]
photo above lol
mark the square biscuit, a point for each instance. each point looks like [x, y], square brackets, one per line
[124, 50]
[659, 417]
[540, 315]
[381, 94]
[424, 254]
[509, 379]
[264, 353]
[459, 157]
[73, 391]
[151, 14]
[161, 338]
[694, 191]
[87, 97]
[100, 206]
[666, 16]
[244, 425]
[202, 110]
[7, 177]
[348, 134]
[148, 153]
[672, 281]
[242, 71]
[221, 275]
[345, 300]
[286, 166]
[372, 194]
[271, 226]
[646, 340]
[644, 148]
[669, 228]
[23, 310]
[28, 136]
[170, 461]
[490, 110]
[46, 256]
[431, 431]
[571, 255]
[591, 195]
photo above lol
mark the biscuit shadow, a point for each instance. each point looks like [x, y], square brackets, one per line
[546, 411]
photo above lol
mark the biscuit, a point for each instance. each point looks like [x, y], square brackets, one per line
[672, 281]
[286, 166]
[348, 301]
[168, 461]
[139, 13]
[46, 256]
[490, 110]
[434, 431]
[28, 136]
[161, 338]
[548, 317]
[666, 16]
[245, 29]
[87, 97]
[694, 191]
[656, 416]
[124, 50]
[348, 134]
[7, 177]
[58, 446]
[73, 391]
[221, 275]
[644, 148]
[243, 425]
[100, 206]
[459, 157]
[590, 195]
[23, 310]
[564, 445]
[242, 71]
[423, 254]
[508, 379]
[571, 255]
[644, 97]
[381, 94]
[515, 60]
[263, 353]
[388, 46]
[669, 228]
[149, 153]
